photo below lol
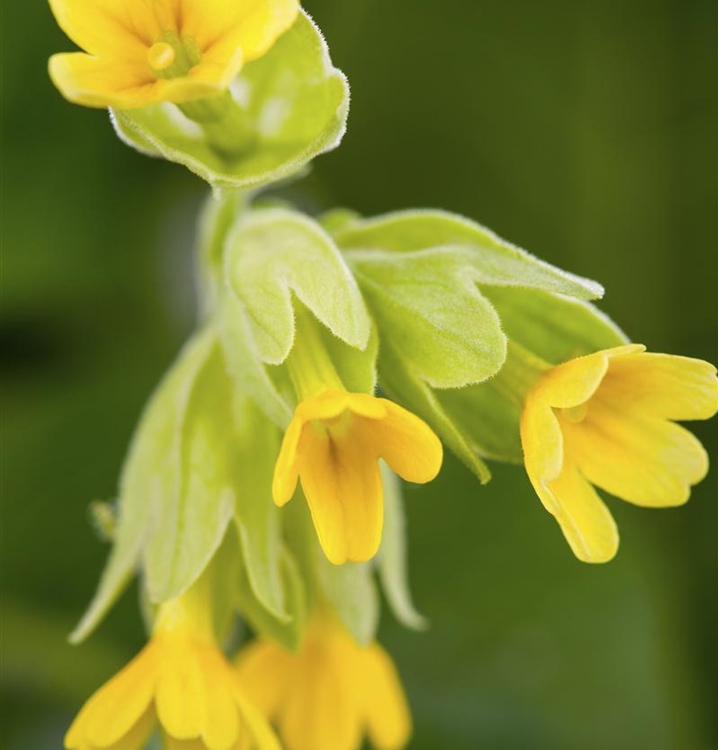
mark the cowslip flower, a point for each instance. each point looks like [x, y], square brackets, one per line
[141, 52]
[330, 693]
[180, 681]
[606, 419]
[333, 444]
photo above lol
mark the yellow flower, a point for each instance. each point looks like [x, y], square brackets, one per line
[605, 420]
[181, 681]
[141, 52]
[329, 694]
[334, 443]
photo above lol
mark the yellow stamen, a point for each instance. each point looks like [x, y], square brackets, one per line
[160, 56]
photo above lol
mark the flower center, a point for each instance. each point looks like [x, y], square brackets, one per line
[335, 427]
[160, 56]
[172, 56]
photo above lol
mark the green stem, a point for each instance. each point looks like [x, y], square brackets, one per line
[217, 218]
[225, 123]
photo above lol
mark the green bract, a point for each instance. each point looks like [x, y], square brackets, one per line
[285, 108]
[273, 259]
[391, 561]
[202, 456]
[427, 277]
[543, 330]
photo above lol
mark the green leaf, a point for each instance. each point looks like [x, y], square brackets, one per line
[357, 369]
[196, 508]
[554, 328]
[295, 105]
[273, 253]
[391, 560]
[218, 215]
[146, 475]
[488, 259]
[256, 516]
[441, 289]
[338, 220]
[351, 590]
[427, 303]
[286, 631]
[399, 383]
[244, 364]
[487, 416]
[542, 325]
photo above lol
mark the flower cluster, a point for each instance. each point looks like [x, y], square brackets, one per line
[333, 355]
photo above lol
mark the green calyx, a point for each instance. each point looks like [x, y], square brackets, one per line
[309, 364]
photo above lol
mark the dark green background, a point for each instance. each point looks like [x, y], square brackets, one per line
[583, 131]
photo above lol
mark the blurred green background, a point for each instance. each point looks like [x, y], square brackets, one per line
[583, 131]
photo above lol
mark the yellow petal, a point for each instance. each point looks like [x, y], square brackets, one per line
[327, 405]
[385, 706]
[585, 520]
[341, 480]
[219, 64]
[117, 707]
[573, 382]
[195, 696]
[262, 28]
[284, 482]
[255, 726]
[647, 461]
[170, 743]
[221, 729]
[405, 442]
[113, 28]
[96, 82]
[322, 713]
[663, 385]
[138, 736]
[365, 405]
[542, 441]
[258, 666]
[197, 84]
[255, 24]
[180, 689]
[245, 742]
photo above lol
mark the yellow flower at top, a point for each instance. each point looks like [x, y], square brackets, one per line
[607, 420]
[333, 444]
[329, 694]
[140, 52]
[180, 681]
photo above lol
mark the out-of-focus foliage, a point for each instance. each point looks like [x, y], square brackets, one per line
[584, 132]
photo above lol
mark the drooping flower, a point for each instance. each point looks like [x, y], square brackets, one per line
[329, 694]
[606, 419]
[333, 444]
[180, 682]
[140, 52]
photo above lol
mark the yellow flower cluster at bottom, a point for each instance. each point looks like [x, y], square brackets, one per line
[182, 684]
[331, 693]
[327, 696]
